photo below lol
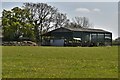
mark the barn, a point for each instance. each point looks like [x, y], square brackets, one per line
[77, 37]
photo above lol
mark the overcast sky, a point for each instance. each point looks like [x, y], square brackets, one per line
[103, 15]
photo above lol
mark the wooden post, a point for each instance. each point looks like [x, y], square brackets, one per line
[72, 38]
[41, 40]
[97, 38]
[82, 38]
[111, 38]
[104, 39]
[90, 42]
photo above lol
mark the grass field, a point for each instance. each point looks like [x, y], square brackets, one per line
[60, 62]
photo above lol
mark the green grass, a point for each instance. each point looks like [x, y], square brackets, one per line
[60, 62]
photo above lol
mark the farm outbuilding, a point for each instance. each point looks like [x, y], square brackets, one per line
[77, 37]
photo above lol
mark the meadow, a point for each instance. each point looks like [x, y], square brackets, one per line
[59, 62]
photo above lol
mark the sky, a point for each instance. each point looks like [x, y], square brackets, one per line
[103, 15]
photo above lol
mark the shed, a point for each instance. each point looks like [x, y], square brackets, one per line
[77, 37]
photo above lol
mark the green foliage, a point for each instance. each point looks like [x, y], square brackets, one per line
[16, 24]
[31, 21]
[41, 16]
[116, 42]
[59, 62]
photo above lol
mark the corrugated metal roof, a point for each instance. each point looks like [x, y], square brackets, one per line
[79, 29]
[87, 30]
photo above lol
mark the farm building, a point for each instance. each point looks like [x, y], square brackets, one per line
[77, 37]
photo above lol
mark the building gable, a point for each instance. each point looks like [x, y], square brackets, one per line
[62, 30]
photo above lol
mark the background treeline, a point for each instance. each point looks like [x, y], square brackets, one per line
[116, 42]
[34, 19]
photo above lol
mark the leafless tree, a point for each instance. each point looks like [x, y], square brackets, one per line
[41, 16]
[81, 22]
[60, 20]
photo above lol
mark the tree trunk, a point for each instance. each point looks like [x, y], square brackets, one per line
[37, 34]
[40, 38]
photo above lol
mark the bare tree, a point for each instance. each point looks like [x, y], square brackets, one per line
[81, 22]
[60, 20]
[41, 17]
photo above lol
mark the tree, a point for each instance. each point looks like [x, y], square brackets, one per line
[34, 19]
[60, 20]
[81, 22]
[6, 23]
[15, 24]
[116, 41]
[41, 16]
